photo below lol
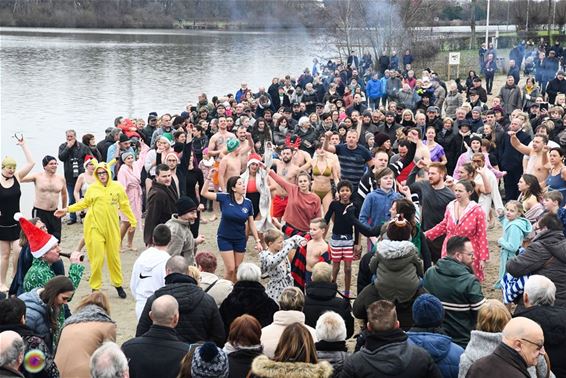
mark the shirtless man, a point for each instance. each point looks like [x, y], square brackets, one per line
[316, 247]
[48, 186]
[246, 147]
[230, 163]
[218, 140]
[538, 155]
[287, 169]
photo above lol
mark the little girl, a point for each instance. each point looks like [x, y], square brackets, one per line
[515, 229]
[205, 165]
[275, 263]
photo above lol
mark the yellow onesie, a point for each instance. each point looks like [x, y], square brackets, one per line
[102, 226]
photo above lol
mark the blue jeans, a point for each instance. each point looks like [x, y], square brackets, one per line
[70, 190]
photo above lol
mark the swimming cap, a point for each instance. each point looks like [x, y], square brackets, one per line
[232, 144]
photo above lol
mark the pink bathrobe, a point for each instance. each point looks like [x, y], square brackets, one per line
[130, 179]
[472, 225]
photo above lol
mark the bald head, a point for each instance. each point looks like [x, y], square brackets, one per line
[525, 336]
[165, 311]
[11, 349]
[176, 264]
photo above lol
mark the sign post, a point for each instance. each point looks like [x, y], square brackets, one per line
[454, 60]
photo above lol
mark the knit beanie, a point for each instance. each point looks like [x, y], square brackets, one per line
[381, 138]
[428, 311]
[209, 361]
[399, 229]
[184, 205]
[232, 144]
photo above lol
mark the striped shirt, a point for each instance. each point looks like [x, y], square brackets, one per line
[353, 163]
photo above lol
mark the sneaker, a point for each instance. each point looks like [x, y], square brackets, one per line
[71, 221]
[121, 292]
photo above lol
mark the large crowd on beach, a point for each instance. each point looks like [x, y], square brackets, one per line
[354, 160]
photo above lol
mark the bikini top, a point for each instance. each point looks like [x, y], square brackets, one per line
[327, 171]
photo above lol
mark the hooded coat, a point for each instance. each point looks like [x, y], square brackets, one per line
[102, 225]
[148, 275]
[321, 297]
[514, 232]
[375, 210]
[37, 319]
[199, 319]
[546, 255]
[398, 269]
[182, 240]
[263, 367]
[443, 351]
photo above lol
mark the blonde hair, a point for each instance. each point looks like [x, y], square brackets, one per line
[518, 205]
[493, 316]
[321, 272]
[271, 236]
[292, 298]
[194, 272]
[97, 298]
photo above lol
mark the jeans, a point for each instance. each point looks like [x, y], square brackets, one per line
[489, 82]
[70, 190]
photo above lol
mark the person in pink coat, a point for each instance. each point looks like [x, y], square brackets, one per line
[129, 176]
[464, 217]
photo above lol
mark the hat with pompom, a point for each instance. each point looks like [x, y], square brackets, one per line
[40, 242]
[209, 361]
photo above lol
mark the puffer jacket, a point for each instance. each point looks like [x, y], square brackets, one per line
[374, 89]
[263, 367]
[182, 240]
[452, 102]
[199, 319]
[248, 297]
[36, 315]
[398, 269]
[443, 351]
[546, 255]
[321, 297]
[334, 352]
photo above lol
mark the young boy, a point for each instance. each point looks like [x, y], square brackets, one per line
[551, 201]
[342, 238]
[316, 247]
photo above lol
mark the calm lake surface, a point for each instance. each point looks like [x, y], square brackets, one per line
[56, 79]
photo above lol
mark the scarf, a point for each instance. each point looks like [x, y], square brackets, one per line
[89, 313]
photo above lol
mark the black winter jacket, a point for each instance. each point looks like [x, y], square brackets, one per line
[240, 362]
[390, 354]
[157, 353]
[321, 297]
[248, 297]
[73, 160]
[161, 201]
[552, 319]
[546, 255]
[199, 319]
[334, 352]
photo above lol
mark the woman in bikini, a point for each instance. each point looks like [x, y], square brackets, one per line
[325, 174]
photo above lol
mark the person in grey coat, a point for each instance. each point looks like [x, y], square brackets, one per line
[182, 241]
[510, 95]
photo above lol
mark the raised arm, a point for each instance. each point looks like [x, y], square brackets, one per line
[327, 146]
[281, 181]
[29, 160]
[516, 143]
[204, 193]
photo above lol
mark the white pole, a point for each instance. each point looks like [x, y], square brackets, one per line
[487, 26]
[527, 23]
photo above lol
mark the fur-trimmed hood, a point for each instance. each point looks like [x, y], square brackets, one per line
[263, 367]
[391, 249]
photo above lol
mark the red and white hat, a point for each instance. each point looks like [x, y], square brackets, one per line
[89, 159]
[40, 242]
[254, 158]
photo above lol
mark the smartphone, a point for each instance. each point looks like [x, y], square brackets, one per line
[193, 108]
[543, 105]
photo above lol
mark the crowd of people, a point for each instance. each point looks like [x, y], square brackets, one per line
[422, 168]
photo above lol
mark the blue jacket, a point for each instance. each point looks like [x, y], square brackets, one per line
[375, 210]
[443, 351]
[374, 89]
[36, 315]
[513, 233]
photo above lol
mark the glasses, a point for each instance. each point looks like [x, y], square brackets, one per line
[102, 173]
[477, 161]
[171, 160]
[539, 346]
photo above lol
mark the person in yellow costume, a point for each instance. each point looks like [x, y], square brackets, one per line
[103, 199]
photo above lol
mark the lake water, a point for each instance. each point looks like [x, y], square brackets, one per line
[56, 79]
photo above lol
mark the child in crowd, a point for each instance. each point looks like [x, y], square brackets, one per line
[275, 262]
[515, 229]
[551, 201]
[205, 165]
[342, 238]
[316, 247]
[396, 264]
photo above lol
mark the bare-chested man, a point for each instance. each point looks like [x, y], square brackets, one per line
[48, 186]
[218, 140]
[230, 163]
[246, 147]
[537, 153]
[287, 169]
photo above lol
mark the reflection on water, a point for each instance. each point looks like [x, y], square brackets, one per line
[56, 79]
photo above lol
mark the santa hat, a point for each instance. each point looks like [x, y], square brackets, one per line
[89, 159]
[40, 242]
[254, 158]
